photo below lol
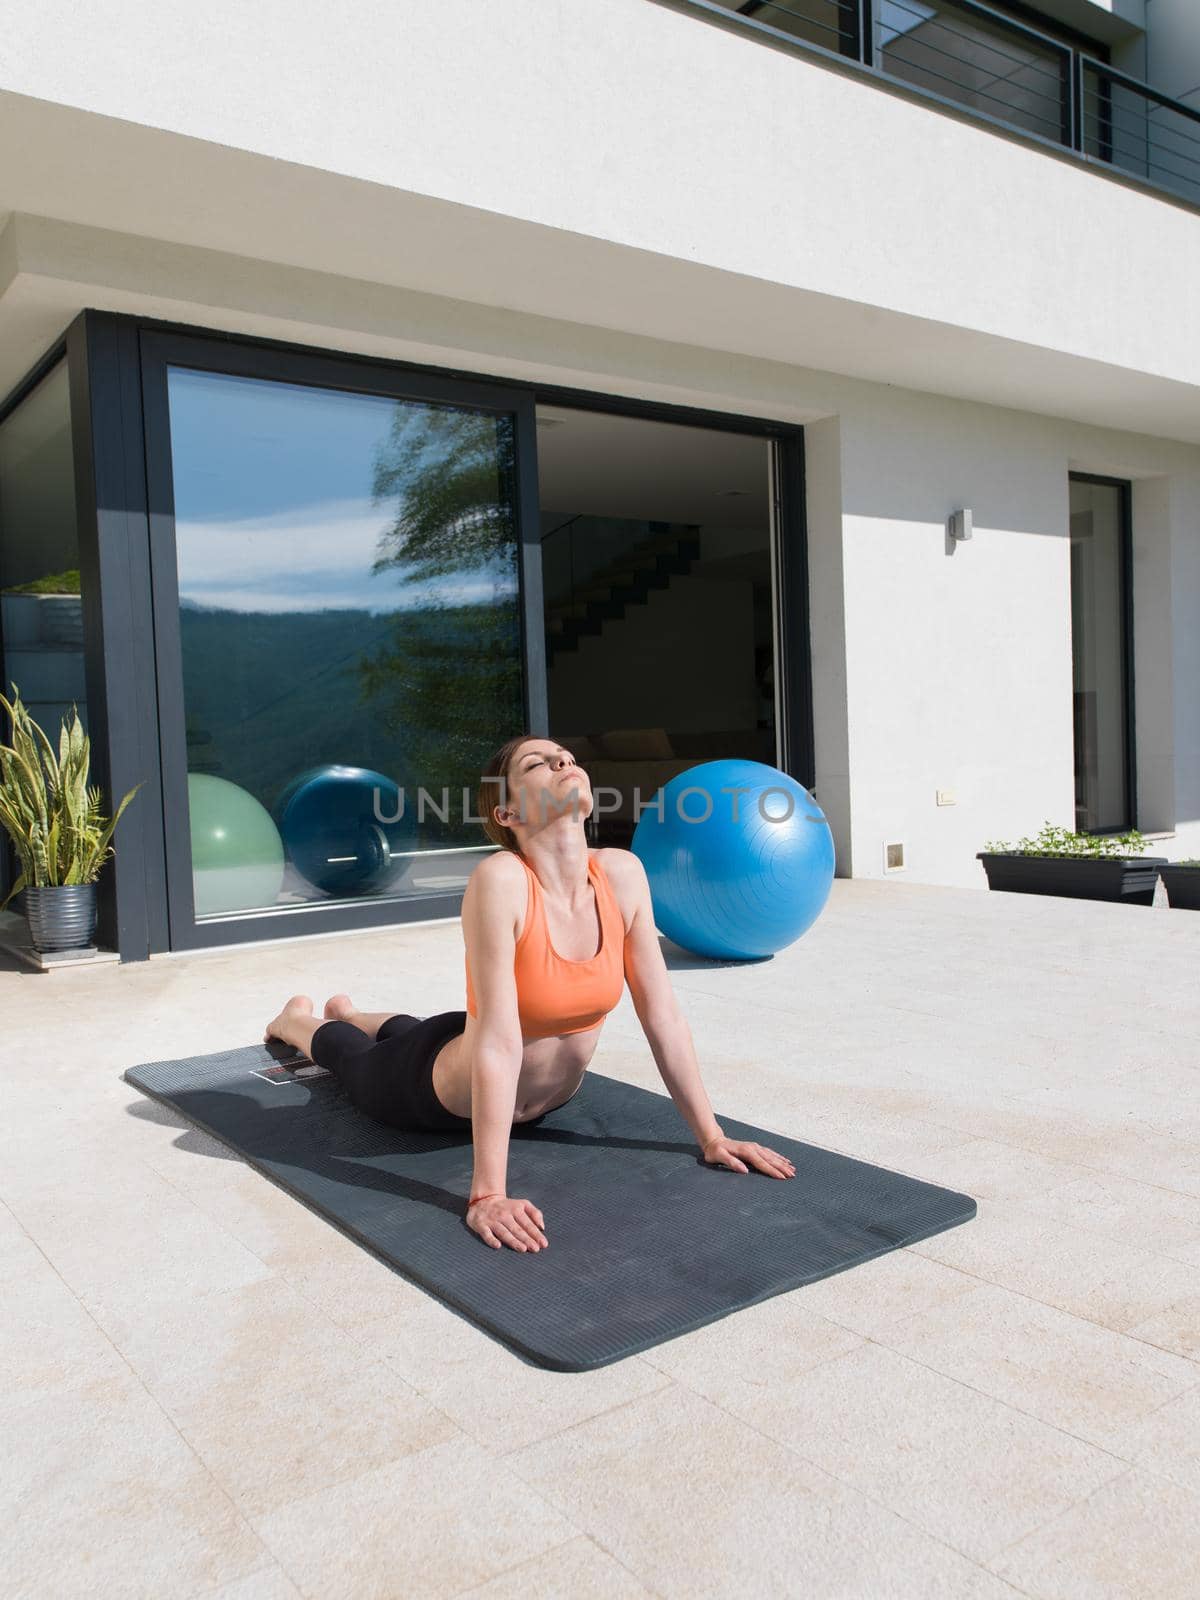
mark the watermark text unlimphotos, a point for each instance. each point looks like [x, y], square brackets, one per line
[606, 798]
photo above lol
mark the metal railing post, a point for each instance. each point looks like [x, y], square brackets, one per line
[1076, 101]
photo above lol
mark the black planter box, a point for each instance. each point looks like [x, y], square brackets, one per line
[1183, 886]
[1130, 880]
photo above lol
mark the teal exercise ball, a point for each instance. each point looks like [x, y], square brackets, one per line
[237, 854]
[735, 875]
[329, 821]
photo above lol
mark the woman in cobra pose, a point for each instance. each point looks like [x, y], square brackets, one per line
[552, 929]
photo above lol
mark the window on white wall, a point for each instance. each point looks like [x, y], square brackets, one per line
[1100, 654]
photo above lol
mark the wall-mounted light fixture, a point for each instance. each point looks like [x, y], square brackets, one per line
[960, 524]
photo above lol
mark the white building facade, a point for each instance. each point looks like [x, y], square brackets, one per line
[397, 378]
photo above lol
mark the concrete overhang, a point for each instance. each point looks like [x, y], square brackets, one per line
[98, 212]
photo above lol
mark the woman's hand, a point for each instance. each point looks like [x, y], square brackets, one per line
[498, 1219]
[721, 1151]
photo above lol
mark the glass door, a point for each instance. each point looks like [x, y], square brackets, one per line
[339, 578]
[1101, 654]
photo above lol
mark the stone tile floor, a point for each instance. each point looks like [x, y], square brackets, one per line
[211, 1391]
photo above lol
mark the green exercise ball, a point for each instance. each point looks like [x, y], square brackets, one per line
[237, 854]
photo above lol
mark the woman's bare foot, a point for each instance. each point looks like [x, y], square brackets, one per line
[339, 1007]
[298, 1006]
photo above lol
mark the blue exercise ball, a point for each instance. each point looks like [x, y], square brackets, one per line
[337, 835]
[735, 875]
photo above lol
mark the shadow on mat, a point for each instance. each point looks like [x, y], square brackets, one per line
[289, 1135]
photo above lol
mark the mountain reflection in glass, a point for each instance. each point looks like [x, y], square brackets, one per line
[350, 635]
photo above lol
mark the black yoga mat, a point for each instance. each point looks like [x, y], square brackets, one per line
[646, 1240]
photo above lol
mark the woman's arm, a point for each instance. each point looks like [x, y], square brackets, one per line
[490, 909]
[665, 1026]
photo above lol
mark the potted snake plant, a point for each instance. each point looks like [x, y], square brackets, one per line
[1182, 880]
[57, 828]
[1085, 866]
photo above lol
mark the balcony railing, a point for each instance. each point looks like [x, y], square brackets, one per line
[968, 55]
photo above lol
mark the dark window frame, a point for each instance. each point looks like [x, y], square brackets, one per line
[1125, 542]
[127, 547]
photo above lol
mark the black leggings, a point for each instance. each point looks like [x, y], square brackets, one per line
[390, 1077]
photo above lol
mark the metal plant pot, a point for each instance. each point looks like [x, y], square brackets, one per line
[61, 916]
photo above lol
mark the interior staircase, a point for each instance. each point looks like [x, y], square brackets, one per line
[625, 581]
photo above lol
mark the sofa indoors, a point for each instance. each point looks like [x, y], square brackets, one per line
[638, 761]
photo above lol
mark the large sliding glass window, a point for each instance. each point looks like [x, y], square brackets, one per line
[349, 636]
[1101, 655]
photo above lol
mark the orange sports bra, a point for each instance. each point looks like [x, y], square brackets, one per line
[555, 995]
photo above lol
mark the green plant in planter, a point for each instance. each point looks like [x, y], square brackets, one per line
[52, 583]
[1054, 841]
[46, 807]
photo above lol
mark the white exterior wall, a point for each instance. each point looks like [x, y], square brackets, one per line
[614, 196]
[958, 655]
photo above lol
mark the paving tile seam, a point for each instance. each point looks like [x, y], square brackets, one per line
[543, 1438]
[1081, 1169]
[1148, 1469]
[1044, 1527]
[319, 1384]
[329, 1482]
[274, 1272]
[256, 1572]
[1171, 1400]
[268, 1554]
[465, 1594]
[370, 1472]
[1052, 1305]
[87, 1311]
[1031, 992]
[945, 1542]
[1024, 1036]
[1116, 1238]
[949, 1127]
[506, 1572]
[461, 1433]
[226, 1583]
[202, 1466]
[1091, 1232]
[962, 1383]
[853, 1488]
[1081, 1166]
[1093, 1444]
[1180, 1355]
[784, 1012]
[349, 1329]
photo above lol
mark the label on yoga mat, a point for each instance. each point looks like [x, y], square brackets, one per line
[284, 1074]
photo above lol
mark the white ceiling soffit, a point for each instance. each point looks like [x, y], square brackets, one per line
[49, 271]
